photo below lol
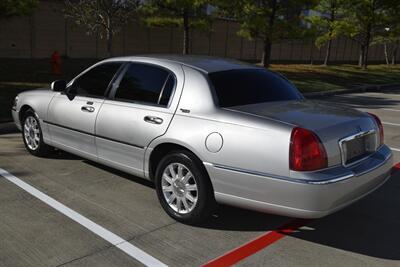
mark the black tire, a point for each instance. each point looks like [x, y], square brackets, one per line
[41, 149]
[205, 204]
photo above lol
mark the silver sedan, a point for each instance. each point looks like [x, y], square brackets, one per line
[210, 131]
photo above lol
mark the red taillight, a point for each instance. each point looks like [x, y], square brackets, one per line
[306, 151]
[380, 126]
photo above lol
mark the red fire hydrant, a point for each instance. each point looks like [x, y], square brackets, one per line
[55, 63]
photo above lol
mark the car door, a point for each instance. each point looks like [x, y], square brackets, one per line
[140, 109]
[72, 114]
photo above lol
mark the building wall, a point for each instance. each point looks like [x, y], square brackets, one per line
[47, 30]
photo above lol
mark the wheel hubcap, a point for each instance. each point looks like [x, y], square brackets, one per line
[31, 132]
[179, 188]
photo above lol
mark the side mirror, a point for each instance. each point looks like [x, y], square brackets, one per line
[58, 86]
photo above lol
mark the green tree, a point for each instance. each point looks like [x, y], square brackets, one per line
[392, 46]
[266, 20]
[185, 14]
[11, 8]
[390, 39]
[326, 22]
[102, 16]
[364, 20]
[389, 36]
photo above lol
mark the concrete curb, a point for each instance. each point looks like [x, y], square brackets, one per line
[365, 88]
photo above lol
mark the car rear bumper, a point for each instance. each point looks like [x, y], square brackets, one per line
[302, 195]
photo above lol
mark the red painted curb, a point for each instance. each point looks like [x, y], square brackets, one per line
[256, 245]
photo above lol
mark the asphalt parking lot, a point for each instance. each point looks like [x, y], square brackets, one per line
[32, 233]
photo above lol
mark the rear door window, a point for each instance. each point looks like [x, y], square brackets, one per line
[146, 83]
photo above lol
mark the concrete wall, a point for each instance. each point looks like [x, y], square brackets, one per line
[47, 30]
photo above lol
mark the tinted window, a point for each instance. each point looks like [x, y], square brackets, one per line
[167, 91]
[250, 86]
[143, 83]
[96, 80]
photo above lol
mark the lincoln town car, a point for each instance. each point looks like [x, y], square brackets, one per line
[209, 130]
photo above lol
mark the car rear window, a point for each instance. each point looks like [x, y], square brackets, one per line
[251, 86]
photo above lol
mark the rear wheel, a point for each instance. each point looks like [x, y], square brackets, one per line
[184, 188]
[32, 135]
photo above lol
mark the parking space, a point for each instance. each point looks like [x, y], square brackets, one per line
[32, 233]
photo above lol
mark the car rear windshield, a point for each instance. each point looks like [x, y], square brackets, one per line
[251, 86]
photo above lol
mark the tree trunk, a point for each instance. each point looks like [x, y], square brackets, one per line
[329, 45]
[328, 53]
[365, 60]
[361, 56]
[186, 33]
[394, 53]
[266, 57]
[110, 37]
[312, 52]
[385, 48]
[367, 42]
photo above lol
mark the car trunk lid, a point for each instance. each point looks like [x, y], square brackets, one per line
[330, 122]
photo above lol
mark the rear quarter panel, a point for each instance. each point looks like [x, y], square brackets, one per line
[244, 147]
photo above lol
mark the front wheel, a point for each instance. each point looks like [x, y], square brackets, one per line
[184, 188]
[32, 135]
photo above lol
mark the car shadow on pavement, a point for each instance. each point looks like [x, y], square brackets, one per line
[122, 174]
[59, 154]
[236, 219]
[369, 227]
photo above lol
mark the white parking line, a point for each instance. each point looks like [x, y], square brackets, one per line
[372, 108]
[391, 109]
[115, 240]
[384, 94]
[395, 149]
[390, 123]
[369, 106]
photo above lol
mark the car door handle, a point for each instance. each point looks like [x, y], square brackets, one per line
[87, 109]
[154, 120]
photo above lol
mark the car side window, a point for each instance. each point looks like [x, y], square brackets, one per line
[167, 91]
[147, 84]
[95, 81]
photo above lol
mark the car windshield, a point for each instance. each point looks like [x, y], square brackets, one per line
[251, 86]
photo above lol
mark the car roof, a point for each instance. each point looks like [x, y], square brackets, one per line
[205, 64]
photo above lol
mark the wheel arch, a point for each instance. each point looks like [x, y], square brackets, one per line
[161, 150]
[22, 112]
